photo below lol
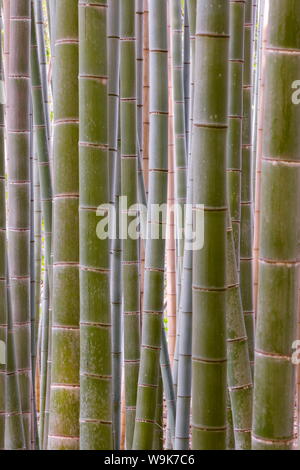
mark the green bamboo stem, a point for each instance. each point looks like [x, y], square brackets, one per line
[146, 93]
[158, 431]
[64, 401]
[130, 247]
[48, 376]
[42, 147]
[238, 368]
[44, 358]
[182, 436]
[37, 244]
[246, 271]
[155, 248]
[179, 122]
[14, 424]
[274, 385]
[18, 141]
[235, 118]
[113, 35]
[168, 387]
[187, 73]
[95, 317]
[183, 402]
[230, 442]
[209, 276]
[39, 28]
[116, 311]
[139, 18]
[33, 277]
[3, 267]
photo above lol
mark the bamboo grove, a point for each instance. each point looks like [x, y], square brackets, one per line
[149, 224]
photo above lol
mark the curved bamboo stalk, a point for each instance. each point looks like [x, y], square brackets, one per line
[209, 284]
[64, 401]
[155, 248]
[278, 246]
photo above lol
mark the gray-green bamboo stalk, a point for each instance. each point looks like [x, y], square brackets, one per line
[209, 264]
[129, 189]
[155, 248]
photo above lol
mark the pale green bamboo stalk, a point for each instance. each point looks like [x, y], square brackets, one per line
[274, 384]
[209, 273]
[129, 189]
[18, 141]
[64, 401]
[155, 248]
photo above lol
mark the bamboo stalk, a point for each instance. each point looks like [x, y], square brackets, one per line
[114, 155]
[155, 248]
[209, 283]
[3, 256]
[130, 247]
[64, 401]
[18, 141]
[278, 246]
[246, 274]
[95, 314]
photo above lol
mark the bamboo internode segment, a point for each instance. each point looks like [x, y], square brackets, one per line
[278, 277]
